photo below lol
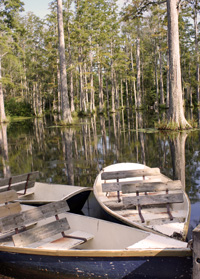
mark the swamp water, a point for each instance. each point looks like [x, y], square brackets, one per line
[76, 155]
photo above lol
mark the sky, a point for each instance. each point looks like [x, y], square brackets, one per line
[40, 7]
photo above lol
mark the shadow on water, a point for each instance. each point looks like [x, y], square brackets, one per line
[76, 155]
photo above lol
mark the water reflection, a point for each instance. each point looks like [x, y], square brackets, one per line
[177, 146]
[4, 150]
[75, 155]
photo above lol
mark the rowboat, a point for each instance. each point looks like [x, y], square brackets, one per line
[49, 242]
[43, 193]
[31, 192]
[142, 197]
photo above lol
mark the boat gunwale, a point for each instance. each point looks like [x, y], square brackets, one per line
[136, 252]
[76, 192]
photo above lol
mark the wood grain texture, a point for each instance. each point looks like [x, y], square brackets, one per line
[129, 173]
[40, 233]
[153, 199]
[32, 215]
[8, 196]
[19, 178]
[9, 209]
[141, 186]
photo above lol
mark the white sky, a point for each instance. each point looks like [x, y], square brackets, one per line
[40, 7]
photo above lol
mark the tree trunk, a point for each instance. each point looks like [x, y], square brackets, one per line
[167, 93]
[156, 74]
[100, 88]
[121, 90]
[162, 97]
[197, 51]
[71, 71]
[138, 73]
[66, 113]
[92, 101]
[112, 81]
[176, 111]
[2, 107]
[133, 73]
[59, 85]
[82, 93]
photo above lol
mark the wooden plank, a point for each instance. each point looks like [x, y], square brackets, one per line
[19, 178]
[8, 196]
[68, 242]
[40, 233]
[153, 199]
[17, 187]
[129, 173]
[32, 215]
[145, 186]
[9, 209]
[111, 187]
[141, 186]
[196, 252]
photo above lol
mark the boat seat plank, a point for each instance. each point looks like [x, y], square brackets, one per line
[145, 186]
[141, 186]
[130, 173]
[69, 241]
[9, 209]
[19, 178]
[39, 233]
[111, 187]
[32, 215]
[8, 196]
[153, 199]
[18, 182]
[18, 187]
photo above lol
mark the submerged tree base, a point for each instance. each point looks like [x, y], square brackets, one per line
[173, 126]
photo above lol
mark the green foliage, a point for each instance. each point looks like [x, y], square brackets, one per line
[96, 39]
[21, 108]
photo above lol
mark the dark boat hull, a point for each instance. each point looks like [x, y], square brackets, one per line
[29, 266]
[77, 201]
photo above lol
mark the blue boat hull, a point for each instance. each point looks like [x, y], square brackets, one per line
[36, 266]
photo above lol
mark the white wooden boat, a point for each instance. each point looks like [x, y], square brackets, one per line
[142, 197]
[48, 242]
[31, 192]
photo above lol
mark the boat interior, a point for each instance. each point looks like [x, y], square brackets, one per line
[50, 227]
[144, 196]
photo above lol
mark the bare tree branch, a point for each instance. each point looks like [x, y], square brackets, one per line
[134, 11]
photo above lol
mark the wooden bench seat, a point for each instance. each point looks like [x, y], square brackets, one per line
[41, 234]
[19, 183]
[153, 199]
[7, 206]
[141, 186]
[108, 175]
[33, 215]
[69, 241]
[146, 187]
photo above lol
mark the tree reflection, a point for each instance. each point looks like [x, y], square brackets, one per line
[4, 150]
[67, 135]
[139, 125]
[177, 146]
